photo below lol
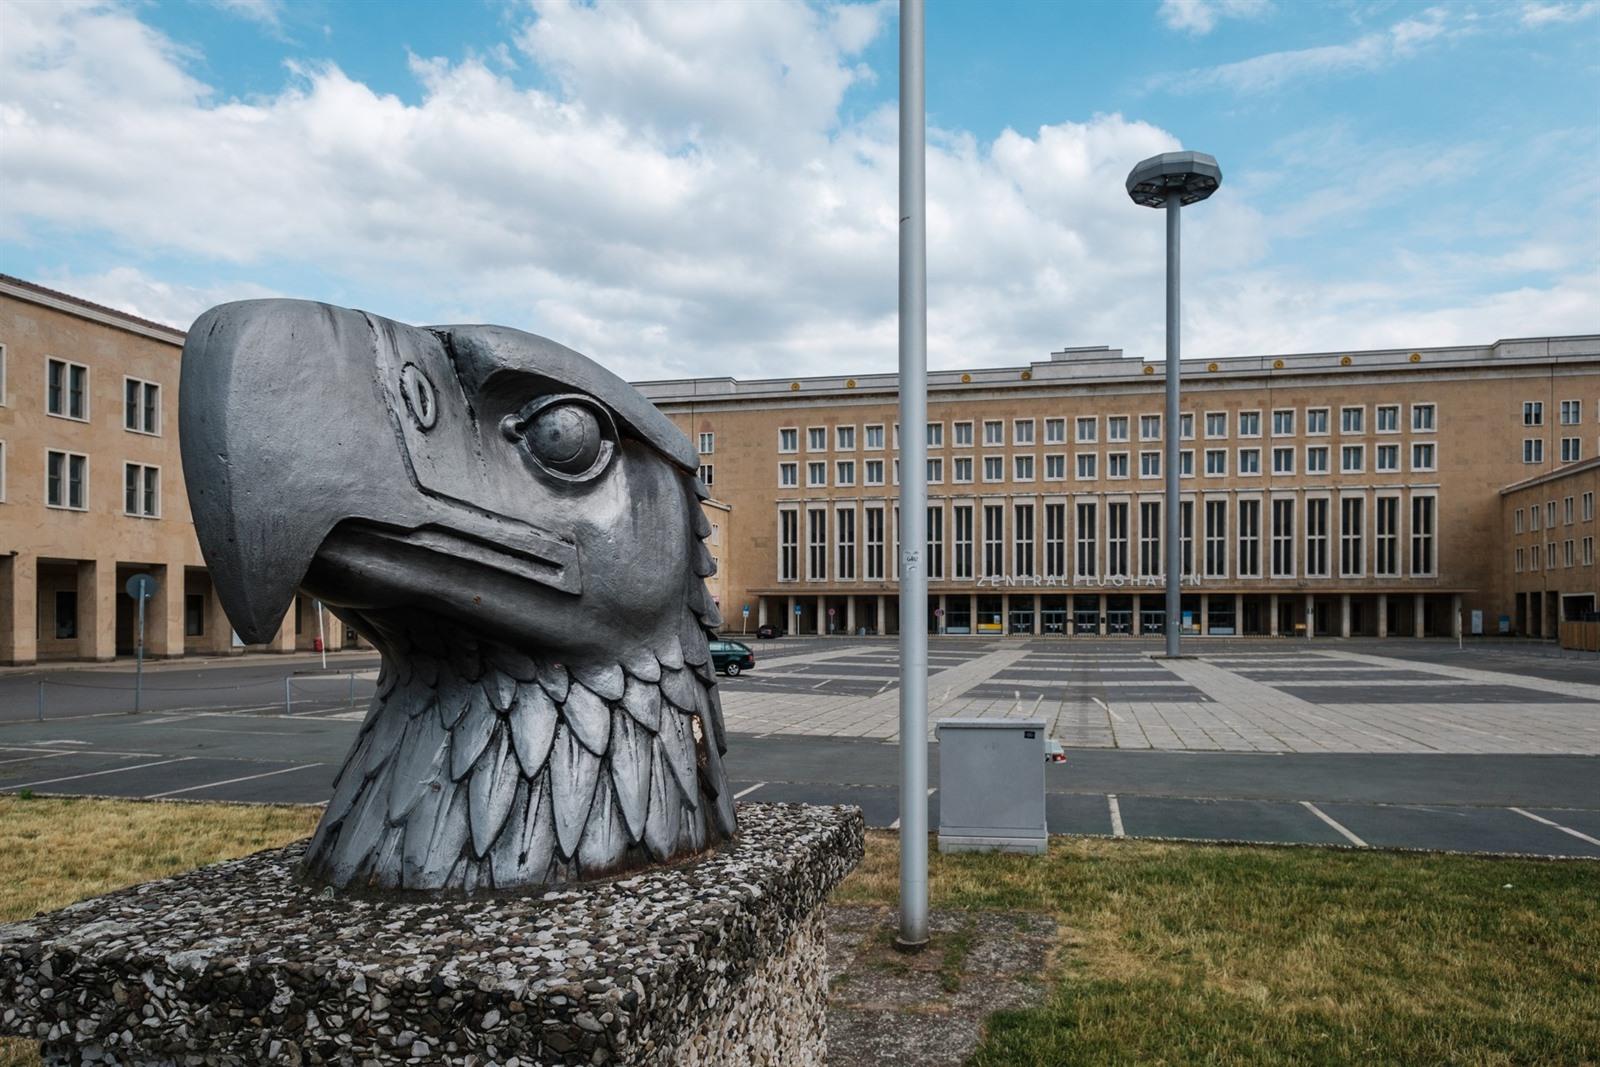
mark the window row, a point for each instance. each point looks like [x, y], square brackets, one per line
[1570, 412]
[1543, 557]
[66, 484]
[66, 396]
[1314, 537]
[1541, 517]
[1533, 449]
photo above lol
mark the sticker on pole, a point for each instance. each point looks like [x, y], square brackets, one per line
[141, 587]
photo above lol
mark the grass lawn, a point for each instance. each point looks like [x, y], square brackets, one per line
[1168, 953]
[1182, 954]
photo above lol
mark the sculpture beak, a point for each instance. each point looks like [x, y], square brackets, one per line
[270, 415]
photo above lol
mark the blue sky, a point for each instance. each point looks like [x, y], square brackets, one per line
[709, 189]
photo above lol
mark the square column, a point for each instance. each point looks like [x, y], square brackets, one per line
[1455, 624]
[1311, 616]
[790, 620]
[761, 611]
[219, 628]
[943, 618]
[19, 610]
[850, 615]
[1344, 614]
[1205, 614]
[1383, 614]
[1419, 621]
[972, 614]
[1037, 625]
[1272, 613]
[1138, 616]
[283, 640]
[97, 609]
[1238, 614]
[883, 624]
[163, 613]
[1103, 623]
[822, 616]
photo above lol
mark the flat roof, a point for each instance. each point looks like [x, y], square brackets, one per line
[1553, 476]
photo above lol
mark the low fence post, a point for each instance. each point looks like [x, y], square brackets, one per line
[288, 700]
[40, 715]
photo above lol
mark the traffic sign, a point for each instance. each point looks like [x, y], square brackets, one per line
[797, 609]
[745, 611]
[141, 587]
[832, 612]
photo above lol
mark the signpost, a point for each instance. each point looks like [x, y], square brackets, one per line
[141, 587]
[322, 636]
[744, 621]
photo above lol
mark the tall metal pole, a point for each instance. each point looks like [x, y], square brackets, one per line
[1174, 527]
[138, 669]
[913, 484]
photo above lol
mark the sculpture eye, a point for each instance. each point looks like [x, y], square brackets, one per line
[421, 400]
[568, 436]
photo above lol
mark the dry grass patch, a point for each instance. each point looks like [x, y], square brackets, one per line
[1177, 953]
[54, 851]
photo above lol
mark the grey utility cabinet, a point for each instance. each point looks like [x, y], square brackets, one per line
[991, 785]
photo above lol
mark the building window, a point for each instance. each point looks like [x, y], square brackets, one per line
[1588, 552]
[1533, 413]
[874, 441]
[1216, 462]
[845, 471]
[1317, 537]
[1316, 459]
[1422, 418]
[961, 529]
[141, 407]
[1536, 554]
[141, 491]
[961, 433]
[1283, 460]
[1422, 457]
[845, 527]
[1533, 450]
[1186, 426]
[1571, 450]
[817, 439]
[1550, 514]
[1116, 464]
[1588, 507]
[1350, 530]
[1386, 563]
[1388, 418]
[935, 470]
[1534, 515]
[1352, 459]
[66, 614]
[1216, 424]
[961, 469]
[1088, 535]
[1571, 412]
[1055, 540]
[1250, 461]
[1249, 539]
[66, 481]
[1150, 538]
[1088, 463]
[2, 376]
[874, 567]
[1022, 432]
[1316, 421]
[1566, 552]
[1566, 511]
[994, 468]
[1186, 463]
[1352, 420]
[1117, 428]
[1283, 538]
[788, 545]
[816, 474]
[1386, 459]
[994, 543]
[789, 439]
[844, 439]
[936, 541]
[1055, 467]
[1516, 521]
[1283, 422]
[1149, 427]
[1117, 539]
[1216, 539]
[1422, 516]
[816, 545]
[1149, 464]
[1249, 424]
[1022, 540]
[788, 475]
[1022, 468]
[896, 469]
[935, 435]
[708, 475]
[67, 389]
[873, 469]
[1055, 431]
[1088, 431]
[1186, 535]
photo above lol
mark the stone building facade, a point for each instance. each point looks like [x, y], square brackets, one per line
[1342, 492]
[1548, 530]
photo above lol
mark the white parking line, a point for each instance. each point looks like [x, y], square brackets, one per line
[1346, 834]
[747, 792]
[1116, 816]
[231, 781]
[1558, 826]
[96, 774]
[37, 755]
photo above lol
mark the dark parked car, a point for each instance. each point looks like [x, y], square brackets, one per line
[731, 657]
[768, 632]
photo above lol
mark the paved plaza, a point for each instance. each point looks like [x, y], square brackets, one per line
[1233, 696]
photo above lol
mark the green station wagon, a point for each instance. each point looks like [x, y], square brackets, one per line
[731, 657]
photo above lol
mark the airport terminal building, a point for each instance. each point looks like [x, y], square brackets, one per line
[1372, 493]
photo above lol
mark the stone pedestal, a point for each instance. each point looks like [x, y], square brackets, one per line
[716, 961]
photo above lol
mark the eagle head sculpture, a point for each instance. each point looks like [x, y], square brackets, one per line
[519, 533]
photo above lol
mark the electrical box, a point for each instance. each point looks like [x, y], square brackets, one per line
[991, 785]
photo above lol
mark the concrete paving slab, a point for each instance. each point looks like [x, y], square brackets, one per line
[1466, 829]
[1224, 820]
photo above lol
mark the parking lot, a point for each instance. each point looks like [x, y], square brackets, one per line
[1344, 744]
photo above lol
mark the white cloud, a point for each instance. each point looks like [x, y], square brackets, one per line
[1200, 17]
[688, 200]
[268, 13]
[1538, 14]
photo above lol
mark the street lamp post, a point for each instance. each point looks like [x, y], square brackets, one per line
[1170, 181]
